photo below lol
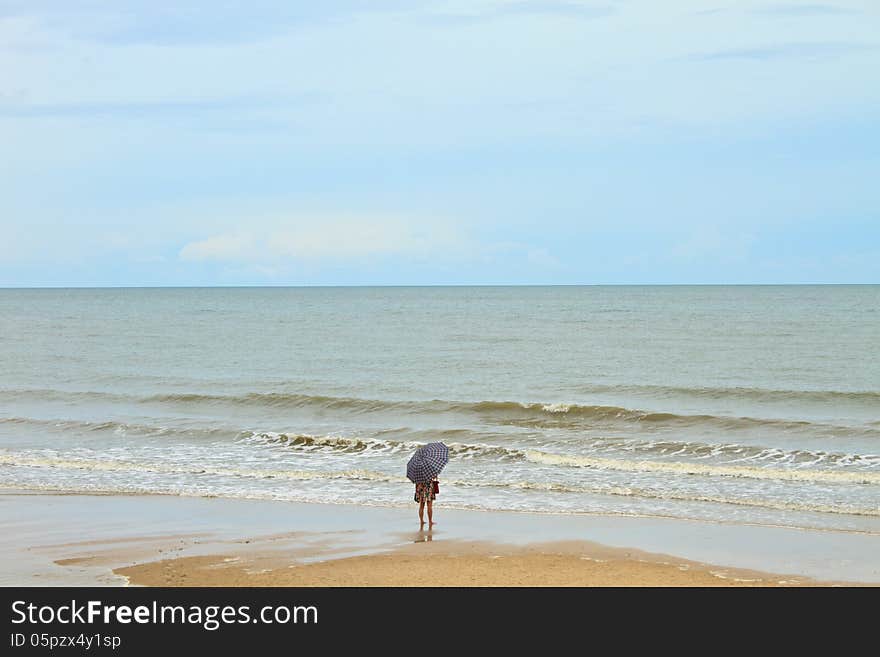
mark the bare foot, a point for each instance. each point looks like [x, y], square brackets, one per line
[421, 526]
[431, 526]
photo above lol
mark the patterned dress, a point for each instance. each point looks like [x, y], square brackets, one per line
[424, 492]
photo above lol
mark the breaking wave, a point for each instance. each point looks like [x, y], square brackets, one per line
[868, 471]
[118, 466]
[525, 414]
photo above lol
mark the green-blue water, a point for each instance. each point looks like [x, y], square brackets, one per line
[752, 404]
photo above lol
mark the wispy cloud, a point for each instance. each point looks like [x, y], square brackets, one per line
[189, 21]
[785, 51]
[327, 239]
[795, 10]
[577, 9]
[151, 108]
[496, 11]
[566, 126]
[234, 247]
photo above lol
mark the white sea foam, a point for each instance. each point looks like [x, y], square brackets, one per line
[687, 468]
[198, 474]
[107, 465]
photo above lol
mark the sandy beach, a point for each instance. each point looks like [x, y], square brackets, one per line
[113, 540]
[453, 564]
[606, 273]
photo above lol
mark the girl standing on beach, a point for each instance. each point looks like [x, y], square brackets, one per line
[425, 494]
[422, 469]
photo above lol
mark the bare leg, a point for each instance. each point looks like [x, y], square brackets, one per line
[430, 514]
[422, 514]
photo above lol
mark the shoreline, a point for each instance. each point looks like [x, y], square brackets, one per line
[68, 492]
[455, 564]
[75, 539]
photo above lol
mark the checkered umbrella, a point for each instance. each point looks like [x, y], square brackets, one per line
[427, 462]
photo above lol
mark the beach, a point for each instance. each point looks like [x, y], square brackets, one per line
[114, 540]
[451, 564]
[593, 400]
[606, 272]
[724, 434]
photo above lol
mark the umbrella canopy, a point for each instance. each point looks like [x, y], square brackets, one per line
[427, 462]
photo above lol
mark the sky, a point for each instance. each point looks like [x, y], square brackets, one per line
[402, 142]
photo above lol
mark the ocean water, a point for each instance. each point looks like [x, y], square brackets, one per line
[732, 404]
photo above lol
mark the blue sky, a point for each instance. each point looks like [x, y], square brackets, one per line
[406, 142]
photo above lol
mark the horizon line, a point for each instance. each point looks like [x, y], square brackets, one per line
[410, 285]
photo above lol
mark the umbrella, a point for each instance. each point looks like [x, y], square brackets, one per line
[427, 462]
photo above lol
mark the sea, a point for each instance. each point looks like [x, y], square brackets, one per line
[734, 404]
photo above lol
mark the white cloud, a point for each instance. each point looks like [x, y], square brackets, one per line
[234, 247]
[327, 239]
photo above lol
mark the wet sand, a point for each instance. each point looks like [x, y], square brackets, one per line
[453, 564]
[57, 539]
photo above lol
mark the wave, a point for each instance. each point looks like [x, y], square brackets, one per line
[796, 473]
[346, 444]
[736, 453]
[500, 409]
[122, 428]
[283, 400]
[706, 392]
[116, 465]
[625, 491]
[743, 392]
[687, 468]
[692, 458]
[574, 415]
[523, 414]
[95, 465]
[341, 444]
[303, 441]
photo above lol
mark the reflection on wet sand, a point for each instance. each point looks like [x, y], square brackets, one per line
[424, 536]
